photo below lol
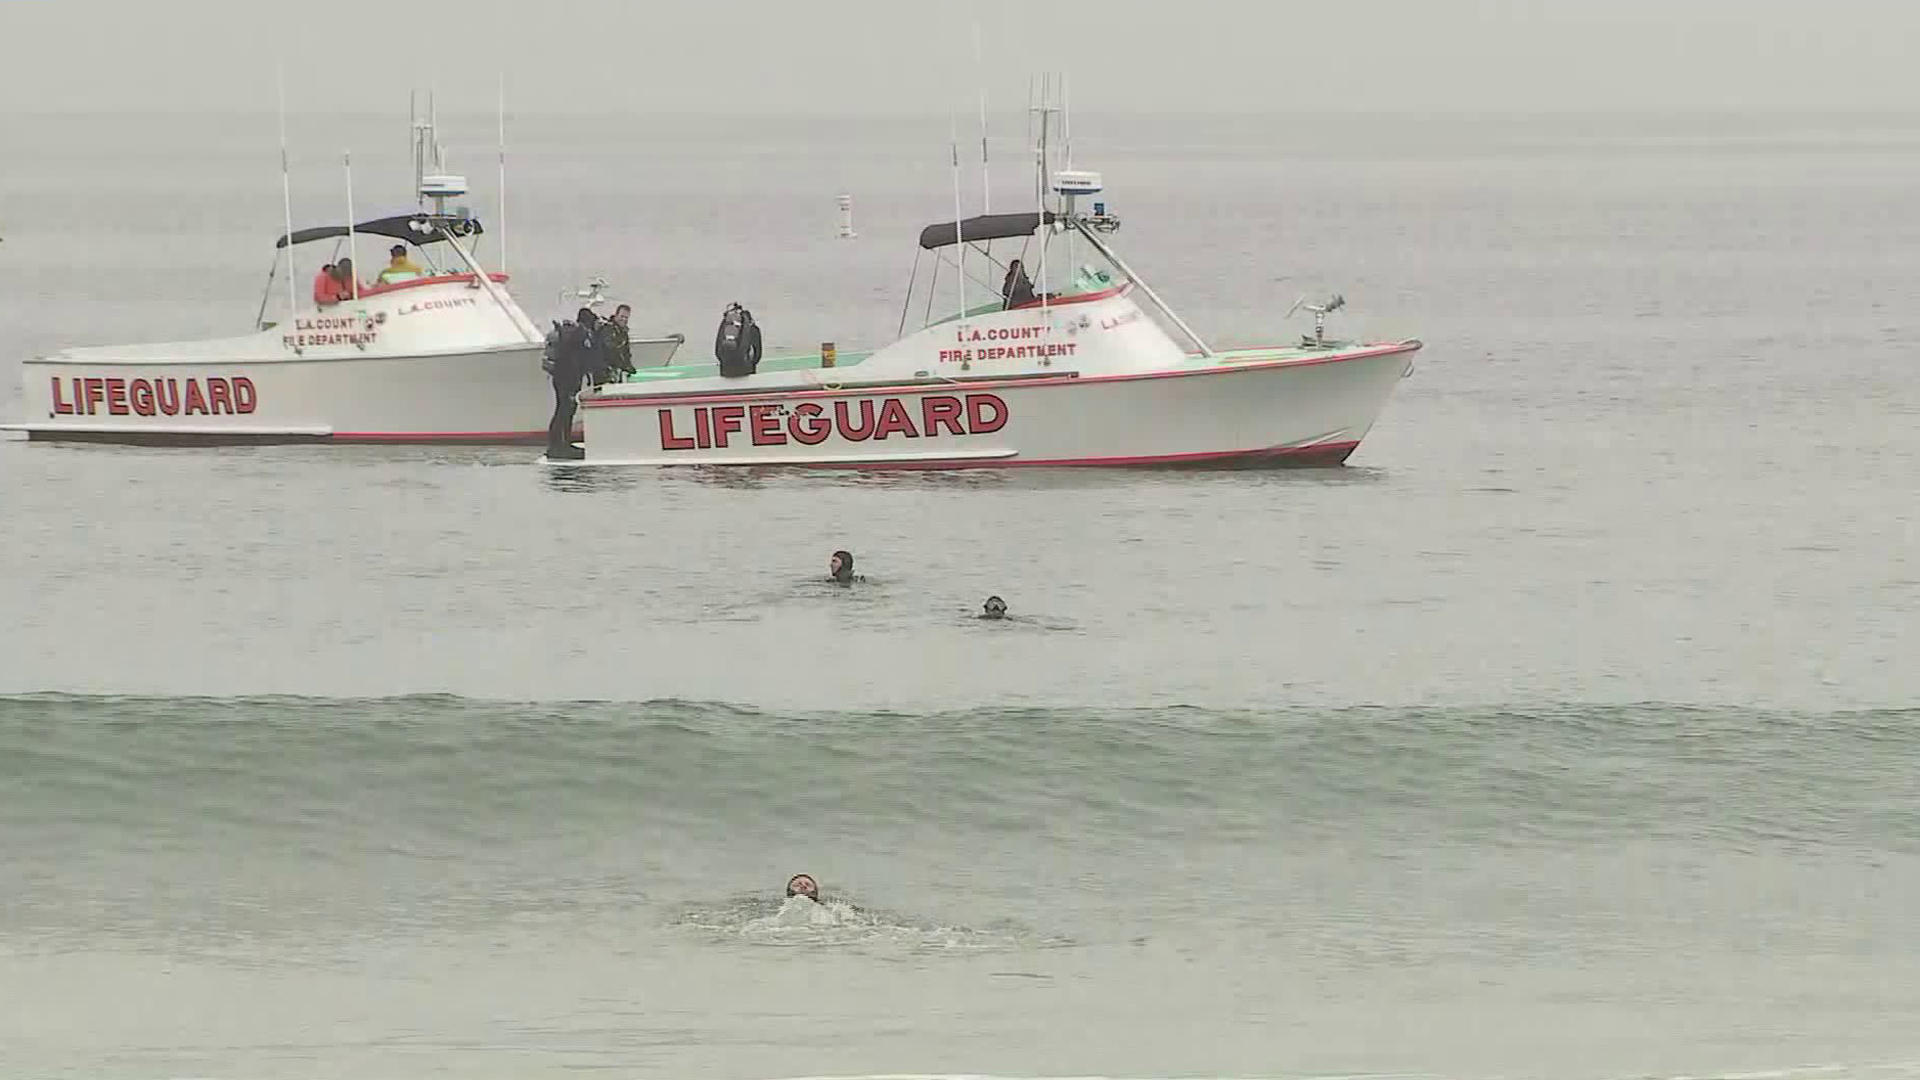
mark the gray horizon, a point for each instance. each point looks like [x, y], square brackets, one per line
[865, 57]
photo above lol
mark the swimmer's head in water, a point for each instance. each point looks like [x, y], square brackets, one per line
[841, 567]
[803, 885]
[994, 608]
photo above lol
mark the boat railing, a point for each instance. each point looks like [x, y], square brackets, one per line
[384, 287]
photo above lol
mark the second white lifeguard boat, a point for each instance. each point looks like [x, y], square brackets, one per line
[1083, 375]
[446, 355]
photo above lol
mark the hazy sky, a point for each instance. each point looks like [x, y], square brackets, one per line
[917, 55]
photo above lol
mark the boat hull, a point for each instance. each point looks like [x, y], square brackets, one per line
[498, 397]
[495, 395]
[1274, 408]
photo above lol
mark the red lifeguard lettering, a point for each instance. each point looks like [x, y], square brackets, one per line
[61, 406]
[808, 425]
[937, 409]
[117, 397]
[195, 399]
[765, 424]
[218, 396]
[894, 418]
[726, 420]
[169, 394]
[847, 430]
[668, 440]
[96, 391]
[976, 405]
[244, 395]
[141, 390]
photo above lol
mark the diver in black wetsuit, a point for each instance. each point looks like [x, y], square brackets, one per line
[574, 359]
[840, 569]
[994, 608]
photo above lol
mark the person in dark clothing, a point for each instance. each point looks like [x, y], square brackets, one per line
[736, 345]
[1015, 289]
[616, 349]
[574, 359]
[840, 568]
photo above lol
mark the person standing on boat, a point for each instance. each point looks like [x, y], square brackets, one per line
[574, 360]
[736, 345]
[616, 349]
[1015, 289]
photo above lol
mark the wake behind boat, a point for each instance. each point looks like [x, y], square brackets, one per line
[1079, 376]
[439, 353]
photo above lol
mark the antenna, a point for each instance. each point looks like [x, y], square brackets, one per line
[1066, 136]
[352, 252]
[1029, 109]
[959, 237]
[986, 185]
[418, 129]
[499, 38]
[1066, 116]
[286, 198]
[1044, 111]
[503, 171]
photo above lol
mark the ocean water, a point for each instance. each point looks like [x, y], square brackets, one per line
[1569, 731]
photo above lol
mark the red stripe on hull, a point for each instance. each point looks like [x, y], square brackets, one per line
[1299, 457]
[1080, 298]
[1324, 454]
[439, 279]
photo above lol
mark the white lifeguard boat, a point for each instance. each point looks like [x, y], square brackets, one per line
[446, 356]
[1083, 375]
